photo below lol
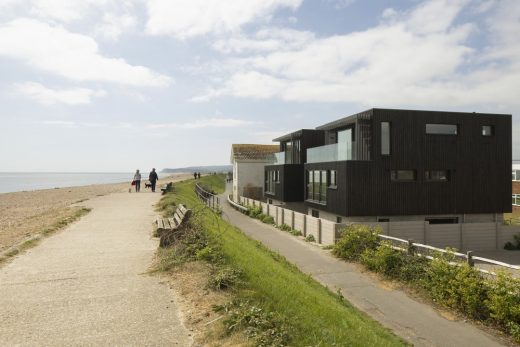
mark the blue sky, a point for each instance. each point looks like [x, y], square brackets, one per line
[106, 85]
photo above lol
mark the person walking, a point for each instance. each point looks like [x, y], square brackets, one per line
[137, 180]
[153, 178]
[198, 175]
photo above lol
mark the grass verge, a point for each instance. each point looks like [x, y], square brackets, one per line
[35, 240]
[274, 304]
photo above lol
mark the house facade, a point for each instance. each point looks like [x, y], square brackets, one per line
[248, 162]
[386, 165]
[516, 188]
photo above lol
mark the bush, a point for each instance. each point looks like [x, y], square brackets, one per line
[265, 328]
[255, 212]
[296, 232]
[225, 277]
[285, 227]
[384, 259]
[510, 246]
[504, 303]
[211, 254]
[457, 286]
[268, 220]
[310, 238]
[261, 216]
[355, 240]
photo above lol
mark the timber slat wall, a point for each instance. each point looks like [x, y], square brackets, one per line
[480, 179]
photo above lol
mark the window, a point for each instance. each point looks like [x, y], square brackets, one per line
[333, 179]
[442, 220]
[403, 175]
[437, 175]
[488, 130]
[385, 138]
[339, 220]
[315, 213]
[271, 177]
[516, 199]
[383, 220]
[516, 175]
[442, 129]
[277, 176]
[317, 186]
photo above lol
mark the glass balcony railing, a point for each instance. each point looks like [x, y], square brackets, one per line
[279, 158]
[333, 152]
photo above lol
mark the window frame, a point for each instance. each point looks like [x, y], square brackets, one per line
[397, 179]
[428, 176]
[457, 129]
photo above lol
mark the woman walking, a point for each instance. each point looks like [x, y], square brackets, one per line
[137, 180]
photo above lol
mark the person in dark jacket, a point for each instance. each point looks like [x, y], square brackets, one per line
[153, 178]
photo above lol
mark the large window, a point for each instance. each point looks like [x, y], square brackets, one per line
[516, 199]
[271, 177]
[437, 175]
[317, 186]
[385, 138]
[345, 144]
[403, 175]
[442, 129]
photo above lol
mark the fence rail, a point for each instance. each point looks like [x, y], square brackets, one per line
[427, 251]
[235, 205]
[211, 200]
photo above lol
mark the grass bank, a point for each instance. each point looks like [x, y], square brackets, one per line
[273, 302]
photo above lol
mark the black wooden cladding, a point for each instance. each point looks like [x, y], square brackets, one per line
[290, 187]
[479, 168]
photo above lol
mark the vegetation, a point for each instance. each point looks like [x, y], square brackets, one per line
[459, 286]
[274, 303]
[513, 246]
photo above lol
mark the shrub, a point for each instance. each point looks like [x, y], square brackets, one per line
[268, 219]
[296, 232]
[384, 259]
[457, 286]
[354, 240]
[211, 254]
[261, 216]
[285, 227]
[310, 238]
[504, 302]
[225, 277]
[255, 212]
[265, 328]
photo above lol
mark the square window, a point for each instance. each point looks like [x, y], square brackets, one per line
[487, 130]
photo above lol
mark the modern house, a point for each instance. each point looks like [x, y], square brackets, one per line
[385, 165]
[516, 187]
[248, 166]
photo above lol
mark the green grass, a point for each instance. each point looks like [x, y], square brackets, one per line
[316, 316]
[215, 183]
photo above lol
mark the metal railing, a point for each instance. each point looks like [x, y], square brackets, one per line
[429, 252]
[239, 207]
[211, 200]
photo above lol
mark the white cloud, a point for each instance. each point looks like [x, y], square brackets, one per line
[113, 25]
[47, 96]
[206, 123]
[339, 4]
[188, 18]
[70, 55]
[418, 57]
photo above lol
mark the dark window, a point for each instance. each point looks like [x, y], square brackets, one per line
[315, 213]
[277, 173]
[339, 219]
[270, 201]
[403, 175]
[442, 129]
[383, 220]
[442, 220]
[317, 186]
[270, 181]
[488, 130]
[385, 138]
[437, 175]
[333, 179]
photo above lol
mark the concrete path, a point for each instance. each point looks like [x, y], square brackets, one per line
[417, 323]
[86, 285]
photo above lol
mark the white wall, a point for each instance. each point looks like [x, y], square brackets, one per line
[247, 173]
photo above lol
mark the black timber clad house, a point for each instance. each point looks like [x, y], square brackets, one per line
[284, 179]
[384, 162]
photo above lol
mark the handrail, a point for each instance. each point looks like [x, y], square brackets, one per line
[235, 205]
[496, 262]
[208, 198]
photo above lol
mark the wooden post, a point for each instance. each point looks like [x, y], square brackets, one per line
[469, 255]
[304, 231]
[410, 247]
[292, 219]
[319, 231]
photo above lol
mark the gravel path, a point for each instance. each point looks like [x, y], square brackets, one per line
[86, 285]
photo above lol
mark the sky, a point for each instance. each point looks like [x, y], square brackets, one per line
[116, 85]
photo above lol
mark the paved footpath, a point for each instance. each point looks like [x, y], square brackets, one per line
[417, 323]
[86, 286]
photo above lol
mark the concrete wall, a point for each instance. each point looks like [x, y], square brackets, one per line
[247, 174]
[463, 236]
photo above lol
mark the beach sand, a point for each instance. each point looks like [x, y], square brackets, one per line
[24, 215]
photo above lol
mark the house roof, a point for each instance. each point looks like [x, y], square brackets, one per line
[253, 151]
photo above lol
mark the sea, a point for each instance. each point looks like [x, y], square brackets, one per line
[27, 181]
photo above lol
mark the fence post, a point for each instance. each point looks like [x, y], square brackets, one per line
[283, 216]
[304, 225]
[469, 255]
[319, 231]
[292, 219]
[410, 247]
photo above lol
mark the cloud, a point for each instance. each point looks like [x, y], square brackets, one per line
[417, 57]
[339, 4]
[114, 25]
[206, 123]
[47, 96]
[188, 18]
[70, 55]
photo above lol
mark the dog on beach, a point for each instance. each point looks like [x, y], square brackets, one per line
[147, 185]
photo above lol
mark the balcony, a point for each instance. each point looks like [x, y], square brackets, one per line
[279, 158]
[331, 152]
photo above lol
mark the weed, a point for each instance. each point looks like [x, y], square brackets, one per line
[225, 277]
[285, 227]
[296, 232]
[268, 220]
[310, 238]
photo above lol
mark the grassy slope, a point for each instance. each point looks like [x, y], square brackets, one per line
[317, 316]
